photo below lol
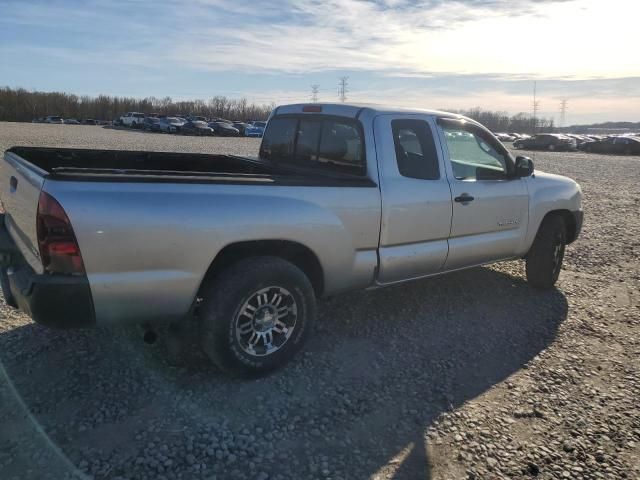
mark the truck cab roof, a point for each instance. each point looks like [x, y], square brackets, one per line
[355, 110]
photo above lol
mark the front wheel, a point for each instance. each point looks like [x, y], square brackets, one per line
[256, 315]
[544, 260]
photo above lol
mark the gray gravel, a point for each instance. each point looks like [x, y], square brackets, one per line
[472, 375]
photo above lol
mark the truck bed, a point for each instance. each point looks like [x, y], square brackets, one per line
[60, 161]
[145, 166]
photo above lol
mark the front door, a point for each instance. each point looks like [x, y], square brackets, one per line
[490, 205]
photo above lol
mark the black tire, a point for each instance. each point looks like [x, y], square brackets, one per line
[544, 260]
[223, 315]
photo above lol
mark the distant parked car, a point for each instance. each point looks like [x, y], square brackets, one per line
[547, 141]
[224, 129]
[132, 119]
[620, 145]
[151, 124]
[581, 140]
[53, 119]
[518, 136]
[255, 129]
[171, 124]
[197, 118]
[89, 121]
[241, 126]
[71, 121]
[505, 137]
[196, 128]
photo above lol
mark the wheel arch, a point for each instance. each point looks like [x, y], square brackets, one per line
[569, 222]
[296, 253]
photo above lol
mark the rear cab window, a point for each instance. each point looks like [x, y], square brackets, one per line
[415, 147]
[318, 142]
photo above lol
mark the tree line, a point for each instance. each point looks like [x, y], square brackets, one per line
[20, 105]
[503, 122]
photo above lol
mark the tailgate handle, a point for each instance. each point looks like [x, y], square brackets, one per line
[13, 182]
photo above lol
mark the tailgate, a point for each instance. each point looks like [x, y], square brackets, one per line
[20, 185]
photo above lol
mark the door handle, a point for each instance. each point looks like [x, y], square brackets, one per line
[464, 198]
[13, 184]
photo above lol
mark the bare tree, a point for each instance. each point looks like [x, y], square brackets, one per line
[20, 105]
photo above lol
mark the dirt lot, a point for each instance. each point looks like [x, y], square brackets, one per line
[472, 375]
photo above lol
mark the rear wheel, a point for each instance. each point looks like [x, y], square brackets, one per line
[256, 315]
[544, 260]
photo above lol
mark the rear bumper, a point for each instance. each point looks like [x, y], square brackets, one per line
[58, 301]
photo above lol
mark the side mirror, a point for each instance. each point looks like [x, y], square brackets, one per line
[524, 167]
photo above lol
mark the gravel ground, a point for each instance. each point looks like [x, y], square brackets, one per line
[471, 375]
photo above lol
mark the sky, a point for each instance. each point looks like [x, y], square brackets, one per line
[425, 53]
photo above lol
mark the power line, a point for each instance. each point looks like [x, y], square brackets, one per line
[342, 88]
[536, 107]
[314, 93]
[563, 111]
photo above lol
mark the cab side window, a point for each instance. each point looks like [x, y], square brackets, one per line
[473, 154]
[415, 149]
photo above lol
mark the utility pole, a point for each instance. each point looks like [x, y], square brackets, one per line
[314, 93]
[536, 107]
[563, 111]
[342, 88]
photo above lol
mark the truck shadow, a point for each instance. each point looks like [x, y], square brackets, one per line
[380, 369]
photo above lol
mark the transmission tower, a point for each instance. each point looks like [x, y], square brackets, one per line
[563, 111]
[314, 93]
[536, 107]
[342, 88]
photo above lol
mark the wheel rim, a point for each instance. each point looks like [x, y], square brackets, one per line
[558, 255]
[266, 321]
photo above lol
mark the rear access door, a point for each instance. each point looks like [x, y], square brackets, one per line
[20, 186]
[416, 199]
[490, 205]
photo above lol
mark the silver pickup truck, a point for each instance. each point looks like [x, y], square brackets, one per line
[341, 197]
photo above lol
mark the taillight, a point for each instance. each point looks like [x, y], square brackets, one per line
[59, 250]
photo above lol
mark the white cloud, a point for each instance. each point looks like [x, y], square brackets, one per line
[578, 38]
[487, 51]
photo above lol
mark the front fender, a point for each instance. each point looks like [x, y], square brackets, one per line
[548, 193]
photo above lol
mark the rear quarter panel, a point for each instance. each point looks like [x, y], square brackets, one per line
[147, 246]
